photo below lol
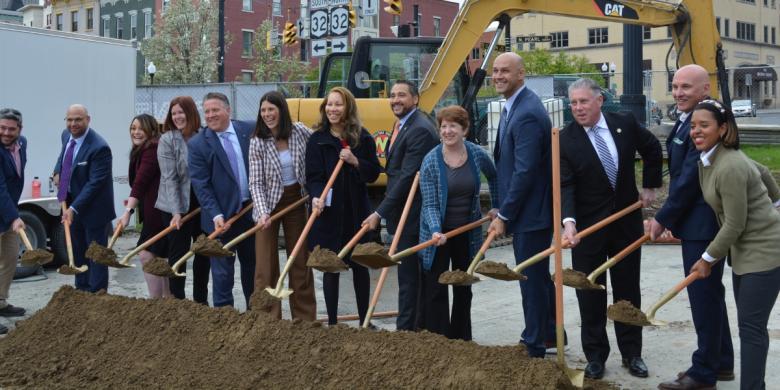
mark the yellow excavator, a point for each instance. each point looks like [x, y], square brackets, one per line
[375, 63]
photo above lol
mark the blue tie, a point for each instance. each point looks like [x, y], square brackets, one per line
[231, 155]
[605, 156]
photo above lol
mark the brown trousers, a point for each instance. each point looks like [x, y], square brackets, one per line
[301, 279]
[9, 252]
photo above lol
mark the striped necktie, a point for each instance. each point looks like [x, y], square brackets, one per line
[605, 156]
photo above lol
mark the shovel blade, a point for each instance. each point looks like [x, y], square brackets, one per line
[68, 270]
[497, 270]
[374, 261]
[457, 278]
[577, 377]
[282, 294]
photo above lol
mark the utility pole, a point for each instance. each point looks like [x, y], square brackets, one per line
[221, 43]
[633, 99]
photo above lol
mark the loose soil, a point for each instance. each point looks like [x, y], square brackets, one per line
[158, 266]
[68, 270]
[36, 256]
[325, 260]
[498, 271]
[209, 247]
[262, 300]
[101, 255]
[577, 279]
[623, 311]
[457, 278]
[372, 255]
[83, 340]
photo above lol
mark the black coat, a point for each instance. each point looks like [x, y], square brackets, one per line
[349, 203]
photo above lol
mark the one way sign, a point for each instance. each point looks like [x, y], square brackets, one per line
[319, 47]
[339, 45]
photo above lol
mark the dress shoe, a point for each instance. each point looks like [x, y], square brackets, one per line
[11, 311]
[3, 329]
[636, 366]
[684, 382]
[594, 370]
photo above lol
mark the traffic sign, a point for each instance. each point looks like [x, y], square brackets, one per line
[339, 45]
[334, 3]
[533, 38]
[369, 7]
[318, 25]
[303, 28]
[339, 21]
[319, 47]
[318, 4]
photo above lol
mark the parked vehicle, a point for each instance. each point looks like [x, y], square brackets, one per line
[743, 108]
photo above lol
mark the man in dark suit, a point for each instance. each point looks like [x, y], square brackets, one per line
[414, 135]
[522, 157]
[219, 171]
[83, 174]
[692, 221]
[13, 158]
[597, 180]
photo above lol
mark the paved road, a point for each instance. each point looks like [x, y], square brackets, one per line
[497, 312]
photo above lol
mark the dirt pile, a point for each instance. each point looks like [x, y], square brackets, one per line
[498, 271]
[101, 255]
[623, 311]
[82, 340]
[209, 247]
[458, 278]
[36, 256]
[577, 279]
[325, 260]
[158, 266]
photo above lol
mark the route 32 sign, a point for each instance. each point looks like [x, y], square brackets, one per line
[318, 25]
[339, 21]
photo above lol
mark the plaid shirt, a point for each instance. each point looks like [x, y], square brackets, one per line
[265, 169]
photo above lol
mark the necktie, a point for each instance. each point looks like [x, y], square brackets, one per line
[676, 128]
[500, 133]
[231, 155]
[605, 156]
[65, 171]
[14, 149]
[396, 130]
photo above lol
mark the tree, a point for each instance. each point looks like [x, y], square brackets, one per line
[543, 62]
[273, 65]
[184, 47]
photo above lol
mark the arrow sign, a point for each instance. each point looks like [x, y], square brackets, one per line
[369, 7]
[319, 47]
[339, 45]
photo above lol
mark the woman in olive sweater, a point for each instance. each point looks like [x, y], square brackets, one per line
[735, 188]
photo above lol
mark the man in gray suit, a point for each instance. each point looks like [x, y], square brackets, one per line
[414, 135]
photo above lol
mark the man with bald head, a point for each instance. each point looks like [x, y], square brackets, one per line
[691, 220]
[522, 156]
[84, 179]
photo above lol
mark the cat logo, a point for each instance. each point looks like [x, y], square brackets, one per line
[615, 9]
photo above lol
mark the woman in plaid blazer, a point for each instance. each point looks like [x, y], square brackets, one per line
[450, 186]
[277, 174]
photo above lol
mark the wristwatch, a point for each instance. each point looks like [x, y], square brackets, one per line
[129, 210]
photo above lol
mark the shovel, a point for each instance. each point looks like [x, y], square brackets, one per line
[393, 247]
[625, 312]
[373, 255]
[577, 377]
[125, 262]
[104, 254]
[325, 260]
[460, 278]
[280, 292]
[71, 268]
[500, 271]
[578, 279]
[160, 267]
[32, 257]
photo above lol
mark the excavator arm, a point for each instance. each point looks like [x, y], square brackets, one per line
[695, 36]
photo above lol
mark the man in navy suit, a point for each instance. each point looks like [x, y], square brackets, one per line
[219, 170]
[85, 184]
[692, 221]
[522, 157]
[13, 157]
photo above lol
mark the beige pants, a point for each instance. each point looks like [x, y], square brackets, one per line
[9, 253]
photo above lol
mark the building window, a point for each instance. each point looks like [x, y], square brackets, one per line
[669, 78]
[753, 2]
[646, 34]
[74, 21]
[396, 20]
[726, 25]
[532, 46]
[247, 6]
[248, 36]
[277, 8]
[668, 31]
[59, 22]
[90, 19]
[766, 3]
[246, 76]
[436, 26]
[147, 23]
[119, 27]
[133, 25]
[746, 31]
[475, 53]
[717, 24]
[48, 21]
[559, 39]
[598, 36]
[770, 60]
[766, 34]
[107, 26]
[520, 46]
[774, 36]
[165, 5]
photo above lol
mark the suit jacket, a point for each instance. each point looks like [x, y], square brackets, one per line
[11, 185]
[587, 194]
[174, 194]
[685, 213]
[91, 190]
[522, 157]
[144, 176]
[216, 188]
[418, 136]
[749, 225]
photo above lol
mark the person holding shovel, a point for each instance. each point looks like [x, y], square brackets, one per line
[736, 190]
[176, 196]
[277, 177]
[144, 178]
[13, 158]
[339, 136]
[450, 185]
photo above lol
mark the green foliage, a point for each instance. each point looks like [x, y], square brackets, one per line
[769, 155]
[273, 66]
[543, 62]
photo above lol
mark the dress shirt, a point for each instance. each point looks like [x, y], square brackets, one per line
[243, 180]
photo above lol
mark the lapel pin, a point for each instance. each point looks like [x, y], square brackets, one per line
[619, 130]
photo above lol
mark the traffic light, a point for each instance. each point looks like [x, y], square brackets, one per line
[290, 34]
[353, 18]
[394, 7]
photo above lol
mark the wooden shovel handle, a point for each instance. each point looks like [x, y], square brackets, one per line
[68, 240]
[117, 231]
[24, 238]
[229, 222]
[432, 241]
[351, 244]
[157, 237]
[481, 252]
[273, 218]
[615, 259]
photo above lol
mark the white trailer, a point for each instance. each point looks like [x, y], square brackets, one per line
[43, 72]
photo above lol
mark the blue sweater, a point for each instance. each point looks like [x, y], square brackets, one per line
[433, 187]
